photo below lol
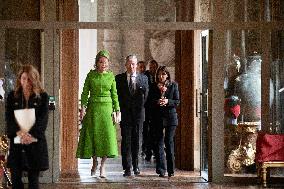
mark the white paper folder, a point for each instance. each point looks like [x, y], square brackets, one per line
[25, 118]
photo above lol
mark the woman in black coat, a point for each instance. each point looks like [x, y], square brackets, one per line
[165, 99]
[30, 153]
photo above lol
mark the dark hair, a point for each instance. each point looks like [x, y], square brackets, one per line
[162, 69]
[153, 62]
[141, 62]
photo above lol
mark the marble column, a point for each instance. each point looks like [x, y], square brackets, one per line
[121, 43]
[111, 40]
[133, 40]
[69, 80]
[113, 43]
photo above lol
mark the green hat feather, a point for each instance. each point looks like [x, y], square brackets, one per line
[102, 53]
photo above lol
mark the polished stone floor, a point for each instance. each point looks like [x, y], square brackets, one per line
[147, 179]
[152, 185]
[114, 174]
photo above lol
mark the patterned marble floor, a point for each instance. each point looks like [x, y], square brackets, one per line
[157, 185]
[114, 174]
[147, 179]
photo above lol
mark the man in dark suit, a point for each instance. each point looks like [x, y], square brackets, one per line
[132, 90]
[148, 135]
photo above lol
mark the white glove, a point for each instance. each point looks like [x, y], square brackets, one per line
[116, 117]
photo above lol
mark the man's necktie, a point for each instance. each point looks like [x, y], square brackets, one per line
[131, 85]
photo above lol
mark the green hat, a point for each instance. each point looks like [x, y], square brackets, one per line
[102, 53]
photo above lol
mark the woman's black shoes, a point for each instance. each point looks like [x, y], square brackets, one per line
[169, 174]
[136, 171]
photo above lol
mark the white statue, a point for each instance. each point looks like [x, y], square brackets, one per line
[2, 92]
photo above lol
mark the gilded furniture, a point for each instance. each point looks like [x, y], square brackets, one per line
[262, 170]
[244, 154]
[5, 175]
[269, 154]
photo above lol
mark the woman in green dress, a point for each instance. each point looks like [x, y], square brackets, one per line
[99, 100]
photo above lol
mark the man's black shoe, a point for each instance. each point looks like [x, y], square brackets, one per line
[162, 175]
[148, 158]
[127, 173]
[136, 171]
[171, 174]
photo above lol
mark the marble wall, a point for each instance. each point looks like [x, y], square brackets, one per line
[145, 44]
[17, 46]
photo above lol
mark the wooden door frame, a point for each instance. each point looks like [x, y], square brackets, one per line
[69, 84]
[185, 77]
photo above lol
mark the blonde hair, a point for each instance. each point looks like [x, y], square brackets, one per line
[34, 77]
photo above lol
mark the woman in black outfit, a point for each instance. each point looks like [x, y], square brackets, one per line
[31, 153]
[165, 99]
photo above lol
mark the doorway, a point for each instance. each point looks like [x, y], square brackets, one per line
[149, 41]
[166, 48]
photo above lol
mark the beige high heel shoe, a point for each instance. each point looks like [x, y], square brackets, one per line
[102, 172]
[94, 169]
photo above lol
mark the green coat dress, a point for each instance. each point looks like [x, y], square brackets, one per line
[98, 132]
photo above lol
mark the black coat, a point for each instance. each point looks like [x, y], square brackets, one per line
[36, 153]
[151, 80]
[167, 112]
[132, 104]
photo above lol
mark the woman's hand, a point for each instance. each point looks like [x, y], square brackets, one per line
[27, 139]
[20, 133]
[162, 88]
[118, 116]
[163, 101]
[82, 113]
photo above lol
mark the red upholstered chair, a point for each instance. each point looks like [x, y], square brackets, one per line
[269, 153]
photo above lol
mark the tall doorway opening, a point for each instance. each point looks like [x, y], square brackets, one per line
[167, 47]
[144, 43]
